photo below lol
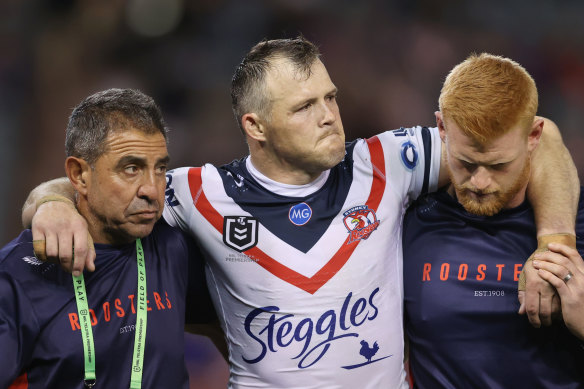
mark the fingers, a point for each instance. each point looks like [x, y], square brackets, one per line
[556, 307]
[564, 256]
[558, 270]
[533, 285]
[539, 303]
[556, 281]
[65, 251]
[566, 251]
[84, 252]
[545, 304]
[90, 258]
[62, 236]
[521, 298]
[532, 307]
[561, 257]
[38, 246]
[46, 247]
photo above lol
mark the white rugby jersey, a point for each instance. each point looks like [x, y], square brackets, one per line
[309, 288]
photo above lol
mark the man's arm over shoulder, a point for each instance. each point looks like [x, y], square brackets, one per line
[57, 227]
[553, 191]
[57, 187]
[554, 187]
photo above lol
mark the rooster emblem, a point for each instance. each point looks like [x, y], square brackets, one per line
[360, 222]
[368, 352]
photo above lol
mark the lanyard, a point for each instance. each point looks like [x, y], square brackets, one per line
[140, 328]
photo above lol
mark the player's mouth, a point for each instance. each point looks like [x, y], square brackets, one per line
[146, 215]
[479, 196]
[328, 134]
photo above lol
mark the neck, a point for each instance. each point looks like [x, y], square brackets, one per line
[282, 172]
[98, 231]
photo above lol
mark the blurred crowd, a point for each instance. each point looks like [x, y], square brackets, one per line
[388, 59]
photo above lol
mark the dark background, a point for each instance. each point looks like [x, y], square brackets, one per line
[388, 59]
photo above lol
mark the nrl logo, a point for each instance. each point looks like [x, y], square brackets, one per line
[32, 261]
[360, 222]
[240, 232]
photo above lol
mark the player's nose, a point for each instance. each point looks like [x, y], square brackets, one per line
[481, 178]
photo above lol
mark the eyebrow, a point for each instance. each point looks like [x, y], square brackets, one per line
[334, 90]
[494, 161]
[128, 159]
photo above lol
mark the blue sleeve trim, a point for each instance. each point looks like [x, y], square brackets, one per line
[427, 140]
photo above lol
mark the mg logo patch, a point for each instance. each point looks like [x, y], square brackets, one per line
[360, 222]
[300, 214]
[240, 232]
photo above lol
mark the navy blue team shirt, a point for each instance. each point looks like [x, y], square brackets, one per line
[460, 284]
[40, 340]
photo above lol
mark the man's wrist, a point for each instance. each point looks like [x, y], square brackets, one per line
[542, 245]
[567, 239]
[49, 198]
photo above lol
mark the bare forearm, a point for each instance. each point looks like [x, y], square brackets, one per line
[58, 186]
[554, 187]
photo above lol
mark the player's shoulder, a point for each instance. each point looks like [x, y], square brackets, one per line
[434, 202]
[166, 235]
[406, 140]
[402, 133]
[237, 165]
[20, 245]
[186, 172]
[171, 244]
[17, 258]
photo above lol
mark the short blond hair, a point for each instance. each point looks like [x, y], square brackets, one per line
[487, 95]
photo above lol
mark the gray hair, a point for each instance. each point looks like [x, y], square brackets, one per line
[248, 89]
[109, 111]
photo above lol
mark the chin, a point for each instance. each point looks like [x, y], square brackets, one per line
[333, 160]
[482, 208]
[337, 152]
[141, 231]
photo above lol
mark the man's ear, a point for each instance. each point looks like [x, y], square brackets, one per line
[78, 171]
[253, 126]
[440, 125]
[535, 133]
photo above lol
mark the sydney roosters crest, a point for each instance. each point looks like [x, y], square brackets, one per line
[360, 221]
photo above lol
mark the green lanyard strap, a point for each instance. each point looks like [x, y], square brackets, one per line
[140, 328]
[141, 316]
[86, 331]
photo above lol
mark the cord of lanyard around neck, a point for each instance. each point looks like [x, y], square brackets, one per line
[140, 329]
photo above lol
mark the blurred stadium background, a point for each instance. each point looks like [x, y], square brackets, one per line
[388, 59]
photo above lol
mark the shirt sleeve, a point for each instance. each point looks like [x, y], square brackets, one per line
[178, 205]
[18, 329]
[412, 157]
